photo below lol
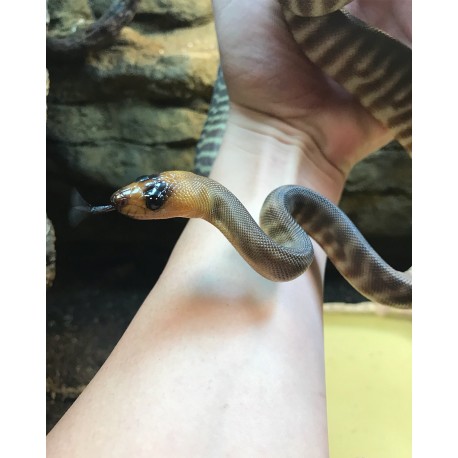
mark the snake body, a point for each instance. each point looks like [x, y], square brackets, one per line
[279, 249]
[368, 63]
[373, 67]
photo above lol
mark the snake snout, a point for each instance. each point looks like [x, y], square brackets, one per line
[120, 198]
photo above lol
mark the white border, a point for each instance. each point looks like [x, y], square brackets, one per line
[23, 199]
[435, 224]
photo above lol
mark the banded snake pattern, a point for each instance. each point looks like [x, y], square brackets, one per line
[370, 65]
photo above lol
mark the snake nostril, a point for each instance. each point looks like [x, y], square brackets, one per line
[119, 199]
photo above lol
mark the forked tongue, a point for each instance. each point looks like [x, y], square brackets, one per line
[80, 209]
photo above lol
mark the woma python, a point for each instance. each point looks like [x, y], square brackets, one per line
[370, 65]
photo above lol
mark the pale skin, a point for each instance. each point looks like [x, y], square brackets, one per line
[219, 361]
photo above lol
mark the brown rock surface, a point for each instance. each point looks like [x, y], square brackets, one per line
[181, 11]
[136, 108]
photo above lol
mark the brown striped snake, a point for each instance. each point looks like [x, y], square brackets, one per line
[369, 64]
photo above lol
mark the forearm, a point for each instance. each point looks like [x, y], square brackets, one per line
[259, 153]
[218, 361]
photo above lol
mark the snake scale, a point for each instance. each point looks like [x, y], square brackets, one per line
[370, 65]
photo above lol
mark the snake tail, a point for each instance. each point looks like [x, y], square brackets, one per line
[215, 125]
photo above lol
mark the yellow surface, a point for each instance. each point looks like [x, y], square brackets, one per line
[368, 378]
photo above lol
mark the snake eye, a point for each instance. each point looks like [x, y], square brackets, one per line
[145, 177]
[156, 195]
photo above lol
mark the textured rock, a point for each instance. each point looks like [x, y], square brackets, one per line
[136, 108]
[388, 170]
[128, 121]
[113, 164]
[180, 65]
[50, 253]
[68, 15]
[50, 235]
[378, 194]
[182, 11]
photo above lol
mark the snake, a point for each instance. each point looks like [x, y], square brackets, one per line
[370, 65]
[97, 35]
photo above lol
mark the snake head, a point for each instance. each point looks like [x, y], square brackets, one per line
[142, 198]
[167, 195]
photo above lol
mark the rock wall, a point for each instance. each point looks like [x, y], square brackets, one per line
[50, 253]
[378, 194]
[139, 107]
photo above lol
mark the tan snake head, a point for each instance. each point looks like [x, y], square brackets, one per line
[167, 195]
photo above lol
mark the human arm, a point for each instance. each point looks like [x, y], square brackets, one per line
[219, 361]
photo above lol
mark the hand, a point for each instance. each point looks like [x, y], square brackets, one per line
[392, 16]
[266, 72]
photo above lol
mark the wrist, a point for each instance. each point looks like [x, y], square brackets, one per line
[260, 153]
